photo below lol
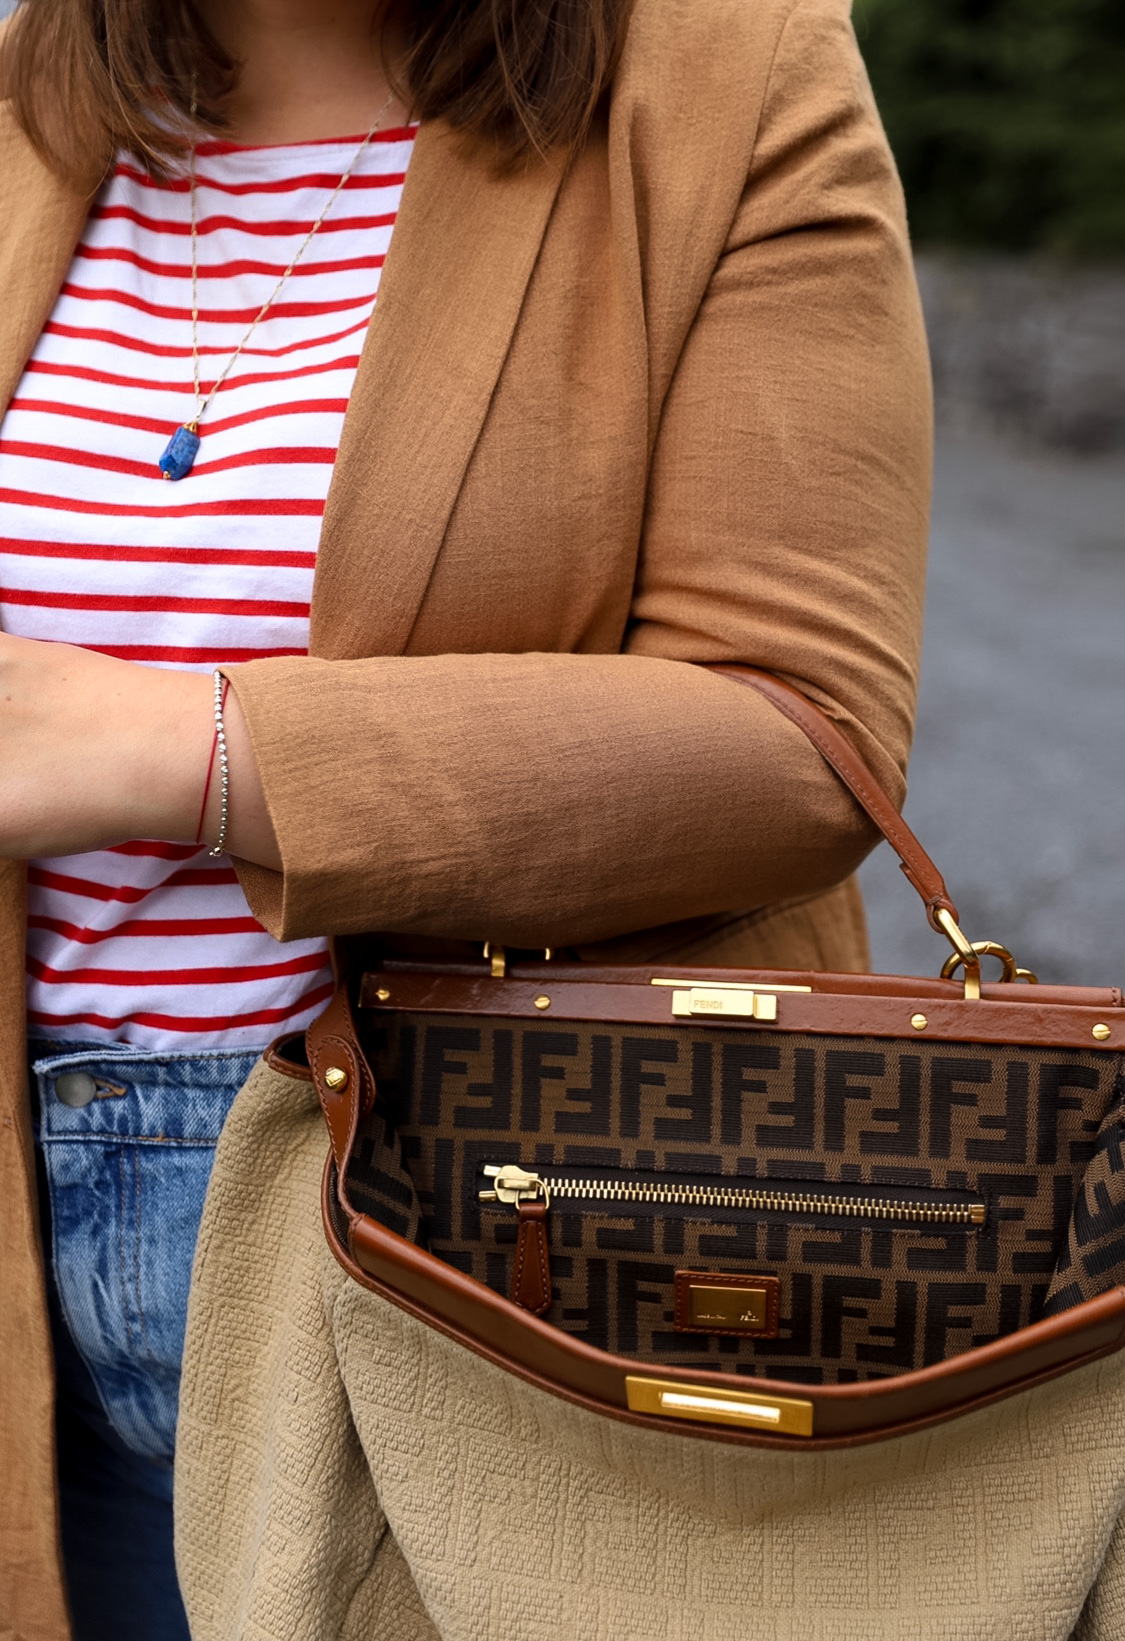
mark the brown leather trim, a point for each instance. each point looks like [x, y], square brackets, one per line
[1026, 1015]
[840, 755]
[844, 1415]
[279, 1057]
[334, 1053]
[540, 974]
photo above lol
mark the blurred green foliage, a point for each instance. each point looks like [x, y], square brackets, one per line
[1007, 118]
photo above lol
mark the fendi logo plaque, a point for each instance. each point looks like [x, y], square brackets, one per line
[714, 1302]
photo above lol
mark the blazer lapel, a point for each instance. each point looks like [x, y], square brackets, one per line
[42, 220]
[461, 255]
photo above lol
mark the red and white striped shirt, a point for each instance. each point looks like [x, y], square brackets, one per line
[152, 943]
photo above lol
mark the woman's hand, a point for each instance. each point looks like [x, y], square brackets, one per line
[95, 751]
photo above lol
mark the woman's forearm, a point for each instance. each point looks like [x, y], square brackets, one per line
[96, 751]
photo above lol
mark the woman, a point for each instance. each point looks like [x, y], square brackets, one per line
[645, 387]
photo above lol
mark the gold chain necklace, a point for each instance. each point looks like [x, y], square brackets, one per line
[179, 455]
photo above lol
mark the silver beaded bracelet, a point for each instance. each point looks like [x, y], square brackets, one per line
[224, 766]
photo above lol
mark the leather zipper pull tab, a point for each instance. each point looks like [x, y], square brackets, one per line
[531, 1279]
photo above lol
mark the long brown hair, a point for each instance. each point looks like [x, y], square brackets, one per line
[88, 77]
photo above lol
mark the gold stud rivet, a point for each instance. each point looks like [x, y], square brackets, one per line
[1101, 1033]
[919, 1022]
[542, 1002]
[383, 994]
[336, 1077]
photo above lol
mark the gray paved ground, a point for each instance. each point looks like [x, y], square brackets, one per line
[1018, 778]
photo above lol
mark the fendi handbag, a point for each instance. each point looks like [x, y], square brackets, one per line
[791, 1209]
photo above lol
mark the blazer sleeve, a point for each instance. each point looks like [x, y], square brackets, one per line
[552, 799]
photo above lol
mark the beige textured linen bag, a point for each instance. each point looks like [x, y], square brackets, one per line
[853, 1373]
[345, 1471]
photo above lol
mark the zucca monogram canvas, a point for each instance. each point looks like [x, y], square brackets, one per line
[911, 1200]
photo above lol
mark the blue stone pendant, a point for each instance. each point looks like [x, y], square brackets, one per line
[179, 456]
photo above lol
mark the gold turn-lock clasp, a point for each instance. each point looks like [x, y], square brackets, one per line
[730, 999]
[709, 1001]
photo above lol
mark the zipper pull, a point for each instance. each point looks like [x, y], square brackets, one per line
[514, 1185]
[531, 1277]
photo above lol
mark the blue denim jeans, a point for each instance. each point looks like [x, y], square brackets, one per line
[125, 1167]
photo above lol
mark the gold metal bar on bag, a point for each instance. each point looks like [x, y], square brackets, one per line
[784, 1415]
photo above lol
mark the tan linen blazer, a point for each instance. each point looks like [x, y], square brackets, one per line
[668, 404]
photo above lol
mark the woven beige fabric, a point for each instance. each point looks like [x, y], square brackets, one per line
[1103, 1617]
[318, 1420]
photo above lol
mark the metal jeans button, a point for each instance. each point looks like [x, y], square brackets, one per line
[75, 1088]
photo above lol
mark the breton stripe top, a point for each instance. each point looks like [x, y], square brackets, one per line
[152, 943]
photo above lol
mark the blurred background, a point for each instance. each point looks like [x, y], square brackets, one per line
[1007, 118]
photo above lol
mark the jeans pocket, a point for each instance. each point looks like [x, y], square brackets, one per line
[125, 1217]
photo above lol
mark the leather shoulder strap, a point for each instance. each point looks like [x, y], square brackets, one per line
[839, 753]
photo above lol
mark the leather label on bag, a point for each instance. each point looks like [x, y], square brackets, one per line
[718, 1302]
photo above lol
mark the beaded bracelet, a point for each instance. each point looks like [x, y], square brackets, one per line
[219, 746]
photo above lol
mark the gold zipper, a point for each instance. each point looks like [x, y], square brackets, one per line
[514, 1185]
